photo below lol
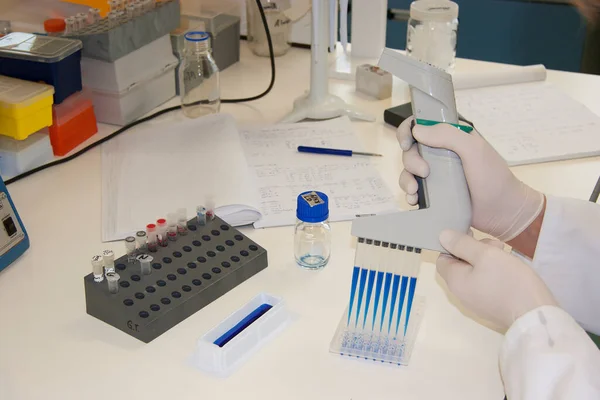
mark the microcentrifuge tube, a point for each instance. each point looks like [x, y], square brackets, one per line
[182, 222]
[201, 215]
[109, 260]
[161, 229]
[113, 19]
[93, 16]
[113, 5]
[145, 263]
[70, 25]
[172, 226]
[130, 248]
[81, 19]
[140, 238]
[130, 11]
[152, 239]
[138, 8]
[113, 282]
[210, 210]
[98, 268]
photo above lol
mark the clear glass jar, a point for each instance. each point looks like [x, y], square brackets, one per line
[432, 32]
[312, 234]
[280, 27]
[199, 77]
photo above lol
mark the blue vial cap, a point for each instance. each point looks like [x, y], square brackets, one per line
[312, 206]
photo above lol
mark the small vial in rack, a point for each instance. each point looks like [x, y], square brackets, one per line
[152, 237]
[113, 282]
[161, 228]
[145, 263]
[172, 226]
[98, 268]
[108, 257]
[201, 215]
[140, 238]
[70, 25]
[182, 222]
[130, 248]
[93, 16]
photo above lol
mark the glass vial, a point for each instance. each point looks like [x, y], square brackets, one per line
[432, 32]
[199, 77]
[312, 235]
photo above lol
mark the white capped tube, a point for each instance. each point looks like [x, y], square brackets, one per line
[130, 248]
[145, 263]
[140, 238]
[108, 257]
[98, 268]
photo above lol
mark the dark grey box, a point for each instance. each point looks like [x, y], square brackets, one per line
[187, 275]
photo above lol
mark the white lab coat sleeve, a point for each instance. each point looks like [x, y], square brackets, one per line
[547, 355]
[567, 258]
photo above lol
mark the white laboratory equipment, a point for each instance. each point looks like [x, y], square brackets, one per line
[199, 77]
[318, 103]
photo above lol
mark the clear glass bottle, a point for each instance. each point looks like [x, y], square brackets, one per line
[199, 77]
[312, 235]
[432, 32]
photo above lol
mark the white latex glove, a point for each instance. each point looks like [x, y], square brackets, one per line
[503, 206]
[492, 283]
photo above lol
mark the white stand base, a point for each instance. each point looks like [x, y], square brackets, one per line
[327, 108]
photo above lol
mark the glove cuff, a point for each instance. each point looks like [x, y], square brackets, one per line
[530, 209]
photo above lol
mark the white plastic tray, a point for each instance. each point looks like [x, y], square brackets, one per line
[223, 361]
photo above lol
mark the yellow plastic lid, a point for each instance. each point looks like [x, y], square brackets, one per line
[17, 93]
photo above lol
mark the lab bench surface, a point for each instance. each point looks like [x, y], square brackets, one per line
[50, 348]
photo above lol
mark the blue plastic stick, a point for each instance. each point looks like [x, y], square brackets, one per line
[401, 301]
[377, 295]
[369, 293]
[243, 324]
[411, 295]
[355, 273]
[361, 292]
[394, 295]
[386, 293]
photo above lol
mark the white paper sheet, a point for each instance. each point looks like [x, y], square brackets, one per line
[281, 173]
[178, 162]
[531, 122]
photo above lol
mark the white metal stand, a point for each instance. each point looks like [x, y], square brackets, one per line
[318, 103]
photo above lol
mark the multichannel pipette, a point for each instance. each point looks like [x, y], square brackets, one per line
[378, 323]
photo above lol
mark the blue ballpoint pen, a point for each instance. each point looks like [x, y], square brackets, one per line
[335, 152]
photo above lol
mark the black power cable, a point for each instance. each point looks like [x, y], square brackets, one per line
[158, 113]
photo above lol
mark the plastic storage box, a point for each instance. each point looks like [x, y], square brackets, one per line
[19, 156]
[49, 59]
[25, 107]
[73, 123]
[131, 86]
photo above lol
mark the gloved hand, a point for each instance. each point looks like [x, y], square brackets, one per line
[503, 206]
[492, 283]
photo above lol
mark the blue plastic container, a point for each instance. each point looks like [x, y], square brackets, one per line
[53, 60]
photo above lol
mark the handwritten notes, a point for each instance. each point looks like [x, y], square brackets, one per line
[352, 184]
[531, 122]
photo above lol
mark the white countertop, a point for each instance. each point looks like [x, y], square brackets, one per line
[51, 349]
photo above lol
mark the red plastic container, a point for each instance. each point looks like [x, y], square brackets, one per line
[73, 122]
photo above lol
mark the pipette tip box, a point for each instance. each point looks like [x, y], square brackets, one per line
[73, 122]
[19, 156]
[25, 107]
[39, 58]
[393, 346]
[226, 347]
[186, 275]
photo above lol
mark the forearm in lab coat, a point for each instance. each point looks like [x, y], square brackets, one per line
[567, 258]
[547, 355]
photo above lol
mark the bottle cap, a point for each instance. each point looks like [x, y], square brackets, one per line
[312, 207]
[53, 25]
[434, 10]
